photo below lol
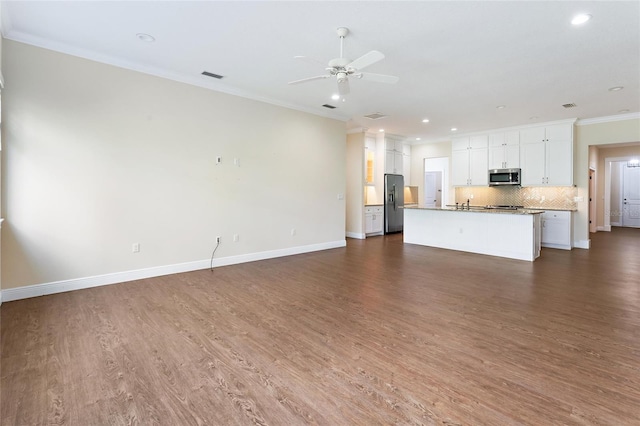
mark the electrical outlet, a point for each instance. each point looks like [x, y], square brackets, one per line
[236, 161]
[218, 159]
[293, 231]
[218, 240]
[135, 247]
[236, 238]
[471, 197]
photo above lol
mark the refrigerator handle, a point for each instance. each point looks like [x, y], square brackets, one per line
[395, 204]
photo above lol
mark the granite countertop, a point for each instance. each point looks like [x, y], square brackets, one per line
[479, 209]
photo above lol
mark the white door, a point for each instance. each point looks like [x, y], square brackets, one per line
[631, 197]
[433, 189]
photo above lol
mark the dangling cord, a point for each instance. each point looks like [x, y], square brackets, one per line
[214, 252]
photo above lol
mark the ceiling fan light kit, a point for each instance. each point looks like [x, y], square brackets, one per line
[342, 68]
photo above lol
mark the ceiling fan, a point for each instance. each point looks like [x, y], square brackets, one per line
[342, 68]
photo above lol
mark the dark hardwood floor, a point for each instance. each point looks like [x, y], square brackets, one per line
[376, 333]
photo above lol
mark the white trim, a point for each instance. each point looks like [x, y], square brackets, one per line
[616, 223]
[197, 80]
[608, 119]
[601, 228]
[583, 244]
[357, 235]
[357, 130]
[119, 277]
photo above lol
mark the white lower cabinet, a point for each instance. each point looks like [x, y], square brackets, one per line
[373, 220]
[557, 229]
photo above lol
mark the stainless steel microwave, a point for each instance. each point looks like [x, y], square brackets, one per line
[498, 177]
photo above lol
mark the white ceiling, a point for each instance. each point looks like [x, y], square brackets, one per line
[456, 61]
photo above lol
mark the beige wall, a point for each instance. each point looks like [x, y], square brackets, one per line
[418, 154]
[595, 134]
[97, 158]
[355, 184]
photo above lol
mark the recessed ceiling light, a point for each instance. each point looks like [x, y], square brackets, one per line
[623, 110]
[580, 19]
[535, 117]
[454, 129]
[335, 97]
[417, 139]
[381, 130]
[616, 89]
[426, 120]
[146, 37]
[501, 107]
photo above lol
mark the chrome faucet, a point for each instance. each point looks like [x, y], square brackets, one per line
[468, 204]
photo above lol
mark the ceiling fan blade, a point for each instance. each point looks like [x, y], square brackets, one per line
[343, 87]
[304, 80]
[380, 78]
[366, 60]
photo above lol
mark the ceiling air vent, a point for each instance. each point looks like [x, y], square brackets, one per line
[210, 74]
[572, 105]
[375, 116]
[329, 106]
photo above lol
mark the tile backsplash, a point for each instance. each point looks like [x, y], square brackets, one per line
[552, 197]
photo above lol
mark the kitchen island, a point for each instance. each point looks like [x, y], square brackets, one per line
[513, 234]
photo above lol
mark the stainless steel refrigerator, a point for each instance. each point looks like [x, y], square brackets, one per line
[393, 203]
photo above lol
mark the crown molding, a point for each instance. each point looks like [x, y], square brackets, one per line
[608, 119]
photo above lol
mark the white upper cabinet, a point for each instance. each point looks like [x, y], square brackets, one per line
[393, 163]
[504, 150]
[392, 144]
[469, 160]
[546, 155]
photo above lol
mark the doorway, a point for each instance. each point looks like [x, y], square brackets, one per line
[592, 200]
[433, 189]
[436, 182]
[631, 194]
[621, 192]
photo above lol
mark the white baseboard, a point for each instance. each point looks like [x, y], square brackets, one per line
[119, 277]
[616, 223]
[583, 244]
[357, 235]
[604, 228]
